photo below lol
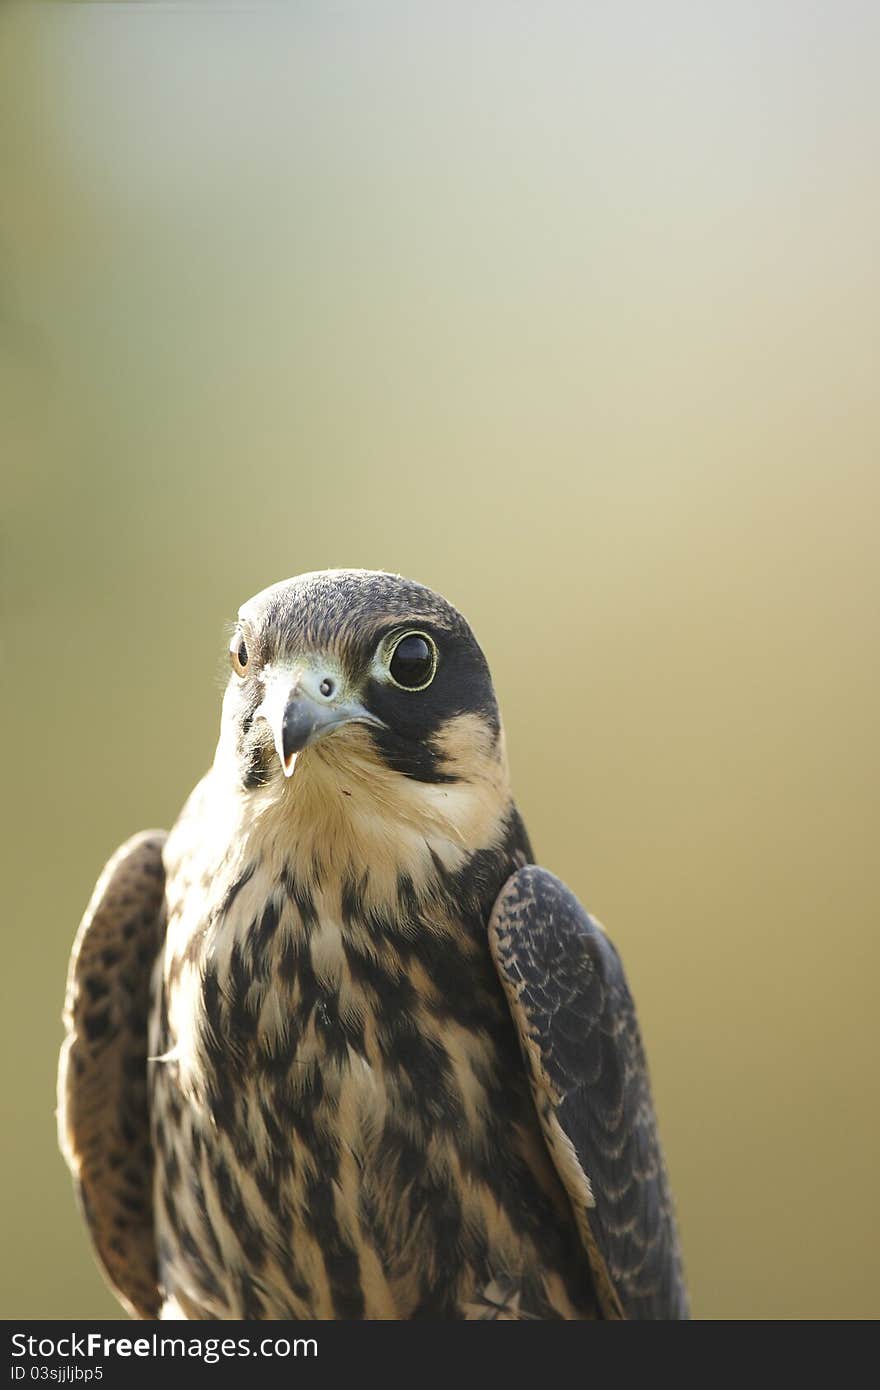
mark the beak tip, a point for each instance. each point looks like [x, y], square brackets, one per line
[289, 764]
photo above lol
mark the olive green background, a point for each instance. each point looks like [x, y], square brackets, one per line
[570, 311]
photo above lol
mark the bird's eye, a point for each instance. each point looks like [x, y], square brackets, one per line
[413, 661]
[240, 656]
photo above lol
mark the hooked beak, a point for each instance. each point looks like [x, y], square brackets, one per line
[302, 706]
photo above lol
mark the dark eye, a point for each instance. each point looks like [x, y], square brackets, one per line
[240, 656]
[413, 661]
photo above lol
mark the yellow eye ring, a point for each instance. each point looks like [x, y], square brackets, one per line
[239, 655]
[412, 661]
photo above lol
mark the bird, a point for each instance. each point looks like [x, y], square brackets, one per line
[337, 1047]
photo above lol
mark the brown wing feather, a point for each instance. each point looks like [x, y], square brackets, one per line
[580, 1037]
[103, 1114]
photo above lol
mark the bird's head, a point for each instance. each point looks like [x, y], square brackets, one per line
[362, 687]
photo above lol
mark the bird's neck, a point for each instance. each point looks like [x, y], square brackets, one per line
[346, 817]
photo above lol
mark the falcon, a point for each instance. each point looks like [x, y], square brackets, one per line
[336, 1047]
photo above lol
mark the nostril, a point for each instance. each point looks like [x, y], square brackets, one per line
[327, 687]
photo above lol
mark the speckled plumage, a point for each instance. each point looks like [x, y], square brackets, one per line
[341, 1120]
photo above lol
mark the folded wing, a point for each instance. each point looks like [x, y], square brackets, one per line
[103, 1113]
[580, 1038]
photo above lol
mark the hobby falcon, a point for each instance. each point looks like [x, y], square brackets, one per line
[336, 1047]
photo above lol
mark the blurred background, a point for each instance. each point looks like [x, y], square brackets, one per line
[569, 310]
